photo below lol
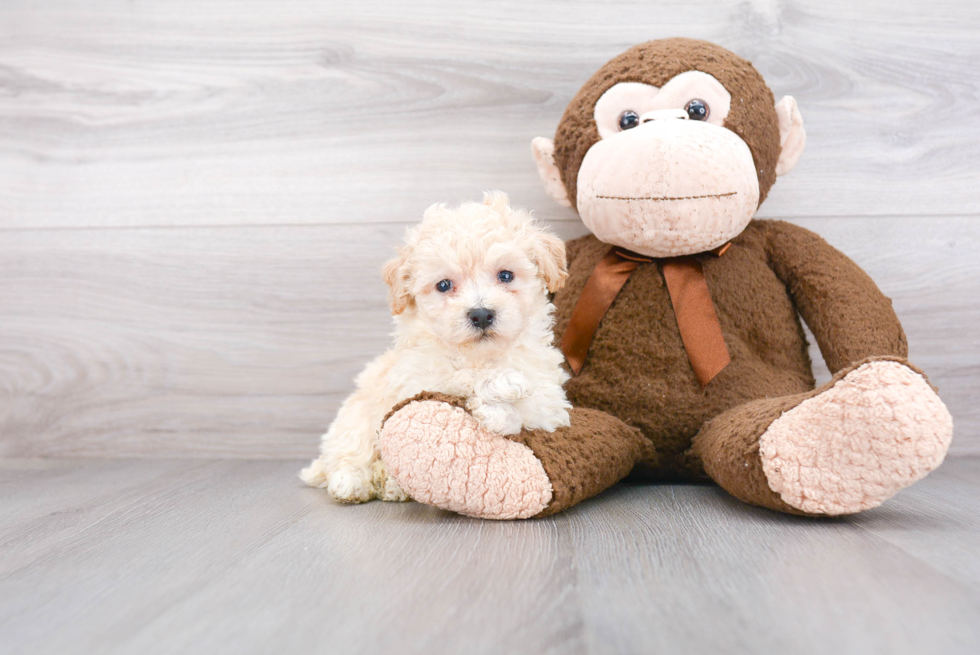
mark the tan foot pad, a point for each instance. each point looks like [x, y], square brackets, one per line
[876, 431]
[440, 456]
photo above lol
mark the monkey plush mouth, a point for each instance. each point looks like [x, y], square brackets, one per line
[667, 198]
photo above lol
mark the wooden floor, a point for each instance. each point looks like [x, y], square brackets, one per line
[213, 557]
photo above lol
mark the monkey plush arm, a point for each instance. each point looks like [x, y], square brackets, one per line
[848, 314]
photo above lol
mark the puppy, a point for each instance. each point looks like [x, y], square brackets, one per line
[469, 295]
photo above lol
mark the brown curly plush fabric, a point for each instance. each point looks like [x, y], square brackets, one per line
[847, 313]
[638, 404]
[591, 455]
[637, 368]
[752, 115]
[728, 445]
[759, 428]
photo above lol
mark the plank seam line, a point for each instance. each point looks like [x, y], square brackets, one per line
[215, 226]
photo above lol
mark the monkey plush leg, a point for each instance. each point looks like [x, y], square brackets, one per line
[441, 456]
[848, 446]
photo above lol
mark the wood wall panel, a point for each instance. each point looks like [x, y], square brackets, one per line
[242, 341]
[195, 197]
[227, 113]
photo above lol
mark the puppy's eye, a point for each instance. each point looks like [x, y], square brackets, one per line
[697, 110]
[442, 286]
[505, 276]
[628, 119]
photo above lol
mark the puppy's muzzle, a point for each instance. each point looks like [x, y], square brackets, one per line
[481, 318]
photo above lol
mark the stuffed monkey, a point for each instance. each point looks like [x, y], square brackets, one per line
[681, 319]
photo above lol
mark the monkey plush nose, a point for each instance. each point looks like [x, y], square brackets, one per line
[481, 318]
[661, 114]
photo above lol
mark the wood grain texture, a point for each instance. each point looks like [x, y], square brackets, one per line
[242, 342]
[188, 113]
[166, 556]
[195, 198]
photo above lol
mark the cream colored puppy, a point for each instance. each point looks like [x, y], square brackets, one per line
[469, 295]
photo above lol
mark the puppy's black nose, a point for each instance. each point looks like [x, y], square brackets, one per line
[481, 317]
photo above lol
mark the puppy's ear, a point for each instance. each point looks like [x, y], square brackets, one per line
[498, 201]
[396, 275]
[549, 256]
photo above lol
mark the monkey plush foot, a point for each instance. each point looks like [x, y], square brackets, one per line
[877, 430]
[847, 446]
[441, 456]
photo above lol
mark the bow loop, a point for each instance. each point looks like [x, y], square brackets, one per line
[689, 295]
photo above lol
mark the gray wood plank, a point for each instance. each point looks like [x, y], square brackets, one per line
[188, 113]
[242, 342]
[920, 523]
[237, 557]
[727, 578]
[67, 483]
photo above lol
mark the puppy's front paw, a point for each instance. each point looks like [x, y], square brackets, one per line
[350, 485]
[558, 418]
[503, 386]
[499, 418]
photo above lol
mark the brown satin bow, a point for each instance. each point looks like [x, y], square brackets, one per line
[689, 295]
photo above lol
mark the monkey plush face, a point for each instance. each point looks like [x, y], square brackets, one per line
[670, 148]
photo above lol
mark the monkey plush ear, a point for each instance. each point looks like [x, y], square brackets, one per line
[396, 274]
[544, 156]
[792, 137]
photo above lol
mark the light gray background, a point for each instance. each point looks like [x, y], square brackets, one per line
[195, 201]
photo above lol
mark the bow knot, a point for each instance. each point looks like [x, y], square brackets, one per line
[689, 295]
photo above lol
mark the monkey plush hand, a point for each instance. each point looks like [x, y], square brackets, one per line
[681, 317]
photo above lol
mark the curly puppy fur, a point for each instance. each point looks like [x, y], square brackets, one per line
[508, 371]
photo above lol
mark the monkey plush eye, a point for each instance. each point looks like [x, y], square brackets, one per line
[505, 276]
[444, 285]
[697, 110]
[628, 119]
